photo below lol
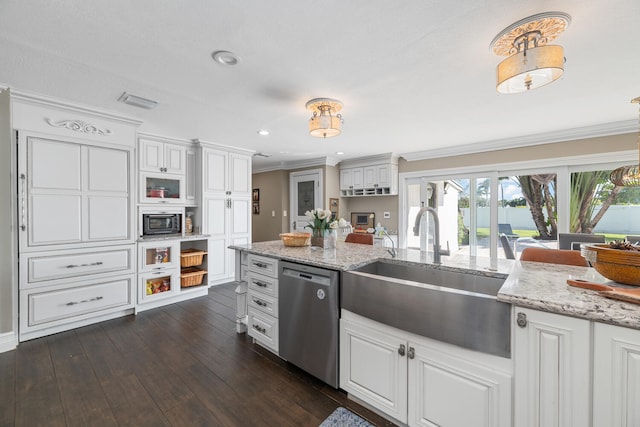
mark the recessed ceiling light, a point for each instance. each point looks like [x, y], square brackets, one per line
[263, 132]
[226, 58]
[339, 153]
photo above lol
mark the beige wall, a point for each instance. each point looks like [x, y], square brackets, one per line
[274, 198]
[603, 145]
[375, 204]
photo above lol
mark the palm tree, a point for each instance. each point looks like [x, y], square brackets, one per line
[588, 190]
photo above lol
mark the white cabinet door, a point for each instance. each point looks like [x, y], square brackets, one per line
[445, 390]
[383, 173]
[370, 177]
[358, 178]
[191, 188]
[240, 174]
[616, 383]
[373, 368]
[552, 369]
[175, 159]
[214, 171]
[151, 155]
[346, 179]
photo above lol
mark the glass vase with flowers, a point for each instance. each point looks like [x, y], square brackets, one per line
[323, 228]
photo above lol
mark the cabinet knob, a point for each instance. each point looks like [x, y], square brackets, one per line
[401, 350]
[412, 353]
[521, 320]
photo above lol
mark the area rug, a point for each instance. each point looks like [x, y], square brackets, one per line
[343, 417]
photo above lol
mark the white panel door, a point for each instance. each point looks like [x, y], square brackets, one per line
[151, 155]
[175, 159]
[305, 194]
[370, 177]
[373, 368]
[215, 216]
[108, 170]
[190, 177]
[346, 179]
[218, 259]
[54, 219]
[54, 165]
[240, 218]
[552, 370]
[214, 171]
[616, 382]
[108, 218]
[240, 171]
[439, 383]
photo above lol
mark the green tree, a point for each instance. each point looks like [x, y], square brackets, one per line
[539, 192]
[589, 190]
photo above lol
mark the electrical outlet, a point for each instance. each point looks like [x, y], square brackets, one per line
[273, 213]
[387, 215]
[284, 213]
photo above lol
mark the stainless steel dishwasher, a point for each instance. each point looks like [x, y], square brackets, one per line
[309, 311]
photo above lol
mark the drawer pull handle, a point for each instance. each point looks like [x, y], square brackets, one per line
[84, 265]
[260, 329]
[23, 201]
[260, 264]
[260, 303]
[85, 300]
[261, 284]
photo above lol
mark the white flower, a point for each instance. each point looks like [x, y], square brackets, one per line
[309, 214]
[342, 222]
[329, 213]
[322, 214]
[333, 225]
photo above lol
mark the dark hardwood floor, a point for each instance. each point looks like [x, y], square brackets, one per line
[179, 365]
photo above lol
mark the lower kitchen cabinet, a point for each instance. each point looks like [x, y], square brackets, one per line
[552, 370]
[616, 381]
[419, 381]
[262, 301]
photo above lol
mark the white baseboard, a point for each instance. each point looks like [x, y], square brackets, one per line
[8, 341]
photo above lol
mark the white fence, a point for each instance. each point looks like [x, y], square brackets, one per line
[618, 219]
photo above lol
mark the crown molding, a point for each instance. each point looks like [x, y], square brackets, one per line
[208, 144]
[38, 99]
[378, 159]
[297, 164]
[162, 138]
[605, 129]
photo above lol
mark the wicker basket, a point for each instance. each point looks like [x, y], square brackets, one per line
[191, 257]
[191, 276]
[296, 239]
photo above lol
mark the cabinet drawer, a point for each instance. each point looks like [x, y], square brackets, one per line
[263, 328]
[263, 284]
[263, 303]
[263, 265]
[73, 264]
[65, 303]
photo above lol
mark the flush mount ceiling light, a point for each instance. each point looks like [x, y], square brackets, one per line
[226, 58]
[263, 132]
[531, 62]
[137, 101]
[325, 121]
[629, 176]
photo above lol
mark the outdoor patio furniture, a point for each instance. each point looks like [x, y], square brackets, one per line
[507, 231]
[633, 239]
[506, 246]
[572, 241]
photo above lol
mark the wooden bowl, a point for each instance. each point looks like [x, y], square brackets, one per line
[614, 264]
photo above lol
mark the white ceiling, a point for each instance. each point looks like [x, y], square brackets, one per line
[414, 75]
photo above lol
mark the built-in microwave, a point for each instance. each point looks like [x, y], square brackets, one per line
[161, 223]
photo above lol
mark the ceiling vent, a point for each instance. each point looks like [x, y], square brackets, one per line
[137, 101]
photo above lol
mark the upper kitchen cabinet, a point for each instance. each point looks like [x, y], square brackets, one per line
[225, 172]
[369, 176]
[163, 164]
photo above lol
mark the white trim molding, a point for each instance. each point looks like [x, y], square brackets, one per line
[605, 129]
[8, 341]
[297, 164]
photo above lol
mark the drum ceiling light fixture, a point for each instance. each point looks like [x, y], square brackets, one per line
[325, 121]
[531, 62]
[629, 176]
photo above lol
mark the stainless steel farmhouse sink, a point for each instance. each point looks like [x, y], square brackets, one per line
[458, 307]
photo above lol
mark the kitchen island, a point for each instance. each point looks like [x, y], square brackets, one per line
[574, 358]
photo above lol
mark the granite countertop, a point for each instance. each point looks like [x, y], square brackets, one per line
[347, 256]
[542, 286]
[539, 286]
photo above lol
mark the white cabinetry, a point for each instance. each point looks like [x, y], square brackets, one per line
[226, 206]
[420, 381]
[616, 382]
[75, 209]
[163, 168]
[370, 176]
[262, 300]
[552, 369]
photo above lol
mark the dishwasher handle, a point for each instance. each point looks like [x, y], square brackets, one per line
[307, 277]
